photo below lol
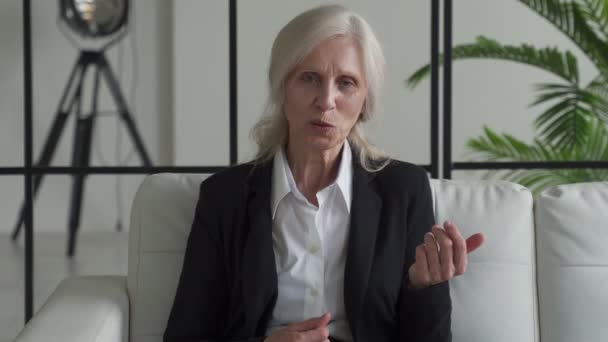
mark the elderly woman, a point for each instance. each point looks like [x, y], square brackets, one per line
[322, 237]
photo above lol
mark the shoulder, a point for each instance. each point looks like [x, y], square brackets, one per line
[229, 181]
[400, 178]
[398, 172]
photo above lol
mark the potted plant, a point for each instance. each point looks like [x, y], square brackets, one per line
[574, 125]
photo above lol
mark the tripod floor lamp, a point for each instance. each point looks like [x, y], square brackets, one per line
[90, 19]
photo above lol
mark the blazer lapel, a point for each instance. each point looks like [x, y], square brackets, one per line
[365, 217]
[259, 277]
[259, 281]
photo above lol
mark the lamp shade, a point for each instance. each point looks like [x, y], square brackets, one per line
[94, 18]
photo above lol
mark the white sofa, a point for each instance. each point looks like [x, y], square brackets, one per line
[541, 276]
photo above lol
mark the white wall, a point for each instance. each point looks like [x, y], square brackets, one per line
[201, 93]
[182, 87]
[258, 24]
[53, 58]
[490, 93]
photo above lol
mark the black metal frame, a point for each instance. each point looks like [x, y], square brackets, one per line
[232, 31]
[434, 168]
[448, 164]
[447, 89]
[28, 170]
[29, 214]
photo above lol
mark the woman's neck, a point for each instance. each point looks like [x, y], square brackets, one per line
[313, 170]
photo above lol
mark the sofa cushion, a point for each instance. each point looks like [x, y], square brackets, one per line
[161, 218]
[572, 242]
[495, 300]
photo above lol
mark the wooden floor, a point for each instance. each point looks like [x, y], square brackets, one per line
[98, 253]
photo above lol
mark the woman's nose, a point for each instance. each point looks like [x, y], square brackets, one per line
[326, 98]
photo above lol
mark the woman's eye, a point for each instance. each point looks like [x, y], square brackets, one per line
[310, 77]
[346, 83]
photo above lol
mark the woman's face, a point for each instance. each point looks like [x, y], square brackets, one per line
[325, 94]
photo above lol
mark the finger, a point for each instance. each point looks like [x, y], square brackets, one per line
[432, 257]
[420, 276]
[325, 318]
[452, 230]
[474, 241]
[315, 335]
[310, 324]
[446, 256]
[460, 247]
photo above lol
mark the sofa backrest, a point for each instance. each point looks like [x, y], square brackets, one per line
[161, 216]
[494, 301]
[572, 259]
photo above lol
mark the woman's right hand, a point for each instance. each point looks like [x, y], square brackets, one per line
[311, 330]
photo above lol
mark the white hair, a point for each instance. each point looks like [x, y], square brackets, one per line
[292, 45]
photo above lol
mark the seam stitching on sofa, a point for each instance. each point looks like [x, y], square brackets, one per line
[537, 242]
[138, 249]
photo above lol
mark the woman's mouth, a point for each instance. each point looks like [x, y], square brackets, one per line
[321, 124]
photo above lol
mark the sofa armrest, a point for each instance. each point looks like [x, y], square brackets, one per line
[83, 309]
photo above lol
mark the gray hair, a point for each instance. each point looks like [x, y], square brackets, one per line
[293, 43]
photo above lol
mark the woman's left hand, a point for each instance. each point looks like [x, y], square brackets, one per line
[442, 256]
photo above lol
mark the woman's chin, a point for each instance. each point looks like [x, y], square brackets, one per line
[322, 143]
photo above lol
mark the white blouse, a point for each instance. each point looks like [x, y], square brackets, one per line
[310, 246]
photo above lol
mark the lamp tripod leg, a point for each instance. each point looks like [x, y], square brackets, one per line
[54, 134]
[83, 137]
[80, 158]
[123, 111]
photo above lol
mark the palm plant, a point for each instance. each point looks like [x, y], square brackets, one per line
[574, 125]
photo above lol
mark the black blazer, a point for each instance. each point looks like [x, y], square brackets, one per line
[228, 285]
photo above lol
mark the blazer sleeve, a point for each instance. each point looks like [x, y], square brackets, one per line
[425, 314]
[202, 297]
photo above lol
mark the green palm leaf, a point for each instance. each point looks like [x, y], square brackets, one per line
[596, 148]
[570, 19]
[566, 123]
[596, 13]
[503, 147]
[561, 64]
[496, 147]
[536, 180]
[574, 123]
[599, 87]
[596, 142]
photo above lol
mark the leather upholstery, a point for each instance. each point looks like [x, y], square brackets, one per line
[564, 234]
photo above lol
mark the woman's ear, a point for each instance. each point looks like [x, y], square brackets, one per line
[362, 116]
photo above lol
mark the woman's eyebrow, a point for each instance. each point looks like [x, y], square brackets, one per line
[340, 72]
